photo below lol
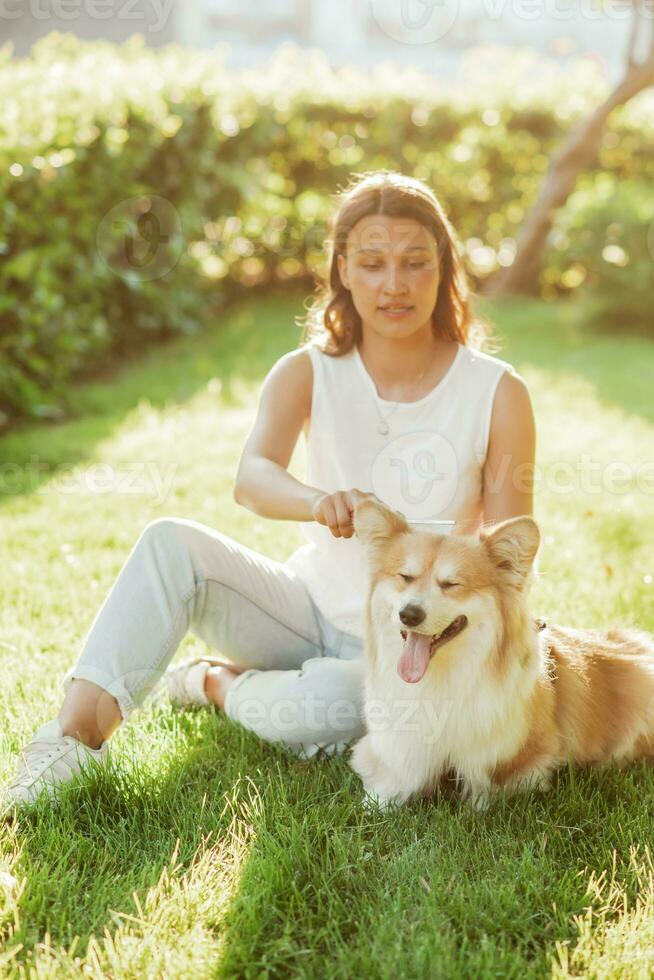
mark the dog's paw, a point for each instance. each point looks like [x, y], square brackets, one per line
[477, 797]
[480, 801]
[374, 803]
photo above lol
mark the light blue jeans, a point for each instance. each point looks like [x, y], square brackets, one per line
[304, 682]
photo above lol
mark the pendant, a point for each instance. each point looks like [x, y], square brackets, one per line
[382, 429]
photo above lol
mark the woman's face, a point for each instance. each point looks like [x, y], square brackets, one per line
[392, 271]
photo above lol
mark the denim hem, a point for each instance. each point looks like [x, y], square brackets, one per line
[236, 684]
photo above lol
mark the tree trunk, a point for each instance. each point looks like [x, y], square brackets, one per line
[577, 153]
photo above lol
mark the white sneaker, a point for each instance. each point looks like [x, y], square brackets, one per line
[49, 759]
[8, 883]
[185, 683]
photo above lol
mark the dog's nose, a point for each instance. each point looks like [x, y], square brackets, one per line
[412, 615]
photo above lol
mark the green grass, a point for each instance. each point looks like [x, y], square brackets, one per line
[209, 853]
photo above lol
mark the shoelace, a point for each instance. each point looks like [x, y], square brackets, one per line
[35, 748]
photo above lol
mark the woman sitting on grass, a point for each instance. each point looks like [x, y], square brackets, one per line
[395, 400]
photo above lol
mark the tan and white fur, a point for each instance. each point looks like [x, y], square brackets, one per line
[505, 701]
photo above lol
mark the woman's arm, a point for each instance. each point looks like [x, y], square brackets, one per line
[268, 490]
[262, 482]
[508, 475]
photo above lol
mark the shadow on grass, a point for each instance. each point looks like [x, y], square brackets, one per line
[359, 889]
[321, 880]
[113, 832]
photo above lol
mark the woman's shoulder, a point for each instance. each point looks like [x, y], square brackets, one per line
[482, 363]
[322, 346]
[498, 381]
[315, 352]
[294, 368]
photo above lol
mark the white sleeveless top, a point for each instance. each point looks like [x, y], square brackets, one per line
[428, 467]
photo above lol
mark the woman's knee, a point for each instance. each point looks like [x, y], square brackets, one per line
[190, 535]
[179, 535]
[165, 530]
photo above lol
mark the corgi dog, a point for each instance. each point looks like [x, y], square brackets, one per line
[459, 676]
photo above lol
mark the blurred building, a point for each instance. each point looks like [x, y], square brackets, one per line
[430, 34]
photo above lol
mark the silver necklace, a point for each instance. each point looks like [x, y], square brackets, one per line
[382, 426]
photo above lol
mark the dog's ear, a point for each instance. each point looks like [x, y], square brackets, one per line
[512, 546]
[374, 521]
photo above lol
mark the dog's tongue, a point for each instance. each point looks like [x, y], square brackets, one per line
[415, 657]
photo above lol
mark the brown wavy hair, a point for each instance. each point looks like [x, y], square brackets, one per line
[332, 319]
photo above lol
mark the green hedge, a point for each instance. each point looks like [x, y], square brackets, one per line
[106, 150]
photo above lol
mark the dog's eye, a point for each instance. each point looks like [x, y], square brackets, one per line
[407, 578]
[447, 585]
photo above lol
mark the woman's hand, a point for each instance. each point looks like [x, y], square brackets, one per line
[336, 510]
